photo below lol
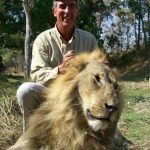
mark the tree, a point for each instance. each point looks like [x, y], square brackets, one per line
[28, 5]
[141, 10]
[42, 17]
[11, 23]
[90, 22]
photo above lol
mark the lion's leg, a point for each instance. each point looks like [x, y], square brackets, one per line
[118, 139]
[20, 146]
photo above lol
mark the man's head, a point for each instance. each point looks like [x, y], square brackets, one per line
[66, 12]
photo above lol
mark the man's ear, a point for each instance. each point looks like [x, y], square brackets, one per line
[54, 11]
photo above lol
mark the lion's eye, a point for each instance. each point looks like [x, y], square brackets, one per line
[97, 78]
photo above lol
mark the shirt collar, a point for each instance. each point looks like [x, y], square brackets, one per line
[61, 38]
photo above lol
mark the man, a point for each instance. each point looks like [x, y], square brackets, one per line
[52, 51]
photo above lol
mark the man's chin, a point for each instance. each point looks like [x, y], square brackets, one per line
[68, 25]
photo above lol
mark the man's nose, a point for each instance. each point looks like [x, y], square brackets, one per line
[67, 9]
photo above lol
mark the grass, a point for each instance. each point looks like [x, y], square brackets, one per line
[9, 84]
[10, 116]
[134, 123]
[136, 95]
[135, 120]
[137, 124]
[137, 72]
[10, 121]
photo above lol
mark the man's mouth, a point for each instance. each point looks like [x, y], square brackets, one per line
[67, 18]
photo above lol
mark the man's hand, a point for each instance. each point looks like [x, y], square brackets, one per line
[66, 60]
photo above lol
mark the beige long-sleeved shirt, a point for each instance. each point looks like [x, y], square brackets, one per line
[49, 48]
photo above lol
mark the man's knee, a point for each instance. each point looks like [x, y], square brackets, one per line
[29, 94]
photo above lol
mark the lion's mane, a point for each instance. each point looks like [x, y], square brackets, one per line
[59, 123]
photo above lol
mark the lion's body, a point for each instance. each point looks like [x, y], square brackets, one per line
[81, 110]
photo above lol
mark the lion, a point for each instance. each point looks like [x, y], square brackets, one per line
[81, 110]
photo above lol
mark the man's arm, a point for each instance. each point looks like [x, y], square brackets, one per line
[41, 64]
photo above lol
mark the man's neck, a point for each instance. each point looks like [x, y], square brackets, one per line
[66, 33]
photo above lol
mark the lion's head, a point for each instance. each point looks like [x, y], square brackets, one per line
[99, 95]
[90, 83]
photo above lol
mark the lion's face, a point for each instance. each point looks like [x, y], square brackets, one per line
[99, 97]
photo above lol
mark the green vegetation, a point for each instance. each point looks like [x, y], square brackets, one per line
[136, 95]
[135, 120]
[9, 84]
[132, 66]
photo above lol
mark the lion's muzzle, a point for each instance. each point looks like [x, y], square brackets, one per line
[95, 113]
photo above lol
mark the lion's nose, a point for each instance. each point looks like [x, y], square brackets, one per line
[111, 107]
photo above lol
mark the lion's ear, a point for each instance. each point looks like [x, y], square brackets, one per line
[79, 64]
[112, 76]
[104, 60]
[100, 56]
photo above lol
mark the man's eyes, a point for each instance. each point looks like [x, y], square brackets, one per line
[62, 6]
[71, 6]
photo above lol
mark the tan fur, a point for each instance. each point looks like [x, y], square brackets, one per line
[62, 123]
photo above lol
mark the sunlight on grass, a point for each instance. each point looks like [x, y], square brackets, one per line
[135, 95]
[10, 115]
[10, 120]
[136, 114]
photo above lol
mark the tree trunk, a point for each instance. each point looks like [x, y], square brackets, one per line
[127, 33]
[135, 30]
[149, 24]
[139, 33]
[27, 47]
[139, 28]
[144, 33]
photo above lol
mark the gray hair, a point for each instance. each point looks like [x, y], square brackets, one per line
[55, 4]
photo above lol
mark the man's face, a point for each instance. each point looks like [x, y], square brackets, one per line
[66, 12]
